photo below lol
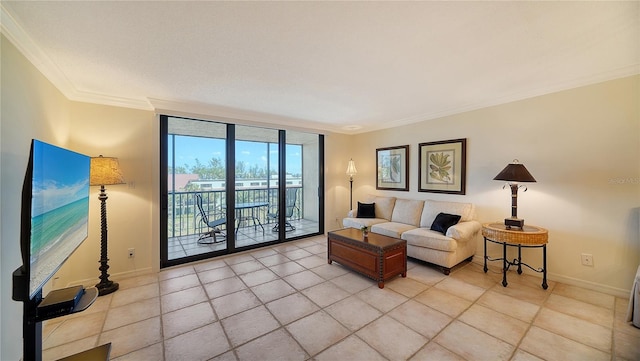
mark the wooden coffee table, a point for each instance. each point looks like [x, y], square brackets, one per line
[377, 257]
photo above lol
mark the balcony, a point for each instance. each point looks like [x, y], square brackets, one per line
[185, 225]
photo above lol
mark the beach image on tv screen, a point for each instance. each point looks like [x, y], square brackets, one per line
[59, 209]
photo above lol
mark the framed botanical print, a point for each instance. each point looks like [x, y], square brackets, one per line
[442, 166]
[392, 166]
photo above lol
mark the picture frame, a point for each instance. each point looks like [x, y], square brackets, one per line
[442, 166]
[392, 165]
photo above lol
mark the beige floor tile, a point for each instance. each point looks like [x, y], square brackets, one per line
[258, 277]
[353, 313]
[227, 356]
[443, 301]
[137, 281]
[497, 324]
[472, 343]
[317, 332]
[131, 313]
[216, 274]
[420, 318]
[153, 352]
[382, 299]
[246, 267]
[273, 260]
[200, 344]
[524, 356]
[626, 346]
[580, 309]
[575, 329]
[291, 308]
[273, 290]
[535, 295]
[353, 282]
[476, 277]
[312, 261]
[585, 295]
[351, 348]
[325, 293]
[238, 259]
[130, 295]
[274, 346]
[176, 272]
[248, 325]
[70, 348]
[508, 305]
[392, 339]
[316, 249]
[534, 281]
[286, 248]
[304, 279]
[181, 299]
[286, 268]
[74, 329]
[187, 319]
[209, 265]
[330, 271]
[179, 283]
[406, 286]
[233, 303]
[460, 288]
[261, 253]
[297, 254]
[132, 337]
[426, 274]
[224, 287]
[434, 352]
[550, 346]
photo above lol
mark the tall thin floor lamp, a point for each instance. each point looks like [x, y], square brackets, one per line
[104, 171]
[351, 171]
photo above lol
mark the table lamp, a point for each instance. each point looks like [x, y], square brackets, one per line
[104, 171]
[514, 173]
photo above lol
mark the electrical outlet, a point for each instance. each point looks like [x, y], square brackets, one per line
[587, 259]
[132, 252]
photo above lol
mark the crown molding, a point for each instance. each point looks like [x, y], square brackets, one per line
[10, 28]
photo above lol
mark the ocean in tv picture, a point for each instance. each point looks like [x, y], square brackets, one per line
[49, 228]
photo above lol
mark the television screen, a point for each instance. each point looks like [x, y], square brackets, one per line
[59, 209]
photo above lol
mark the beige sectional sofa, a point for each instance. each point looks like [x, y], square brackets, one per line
[411, 220]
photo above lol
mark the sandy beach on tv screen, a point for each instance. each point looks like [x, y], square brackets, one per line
[51, 258]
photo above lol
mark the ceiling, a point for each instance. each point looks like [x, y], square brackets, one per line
[345, 67]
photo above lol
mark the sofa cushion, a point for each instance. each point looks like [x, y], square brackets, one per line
[391, 229]
[366, 210]
[432, 208]
[384, 206]
[407, 211]
[426, 238]
[357, 223]
[443, 221]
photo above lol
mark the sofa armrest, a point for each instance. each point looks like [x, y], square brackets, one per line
[464, 230]
[350, 214]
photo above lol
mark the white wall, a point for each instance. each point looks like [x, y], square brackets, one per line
[31, 108]
[583, 148]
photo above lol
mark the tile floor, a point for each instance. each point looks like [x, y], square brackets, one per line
[287, 303]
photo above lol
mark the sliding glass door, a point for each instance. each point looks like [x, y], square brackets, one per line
[227, 188]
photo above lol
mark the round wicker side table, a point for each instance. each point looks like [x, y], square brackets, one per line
[527, 237]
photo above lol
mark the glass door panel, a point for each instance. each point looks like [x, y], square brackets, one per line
[196, 198]
[255, 185]
[303, 184]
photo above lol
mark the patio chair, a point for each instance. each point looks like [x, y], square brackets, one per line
[213, 226]
[290, 206]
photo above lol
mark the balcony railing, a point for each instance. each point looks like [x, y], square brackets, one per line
[184, 216]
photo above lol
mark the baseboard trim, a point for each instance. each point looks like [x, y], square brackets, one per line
[90, 282]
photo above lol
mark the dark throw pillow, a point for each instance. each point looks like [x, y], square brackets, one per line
[366, 210]
[443, 221]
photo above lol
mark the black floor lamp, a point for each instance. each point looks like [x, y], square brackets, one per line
[104, 171]
[351, 171]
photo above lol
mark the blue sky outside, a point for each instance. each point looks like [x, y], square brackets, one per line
[188, 149]
[60, 177]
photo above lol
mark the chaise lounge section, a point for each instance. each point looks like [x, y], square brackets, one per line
[428, 226]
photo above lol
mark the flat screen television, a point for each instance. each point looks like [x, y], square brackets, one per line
[55, 209]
